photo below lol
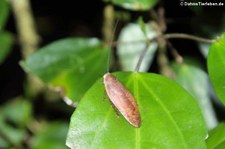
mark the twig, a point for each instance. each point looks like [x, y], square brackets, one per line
[29, 40]
[175, 53]
[25, 25]
[141, 57]
[107, 30]
[108, 23]
[187, 36]
[167, 36]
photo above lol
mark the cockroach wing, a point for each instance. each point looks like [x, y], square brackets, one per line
[122, 99]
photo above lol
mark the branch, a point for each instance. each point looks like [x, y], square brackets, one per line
[167, 36]
[29, 40]
[187, 36]
[25, 25]
[141, 57]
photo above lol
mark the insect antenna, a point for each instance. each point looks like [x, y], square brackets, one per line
[111, 43]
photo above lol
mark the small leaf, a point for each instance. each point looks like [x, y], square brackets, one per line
[51, 136]
[216, 139]
[4, 12]
[216, 65]
[73, 64]
[135, 5]
[4, 143]
[142, 25]
[15, 135]
[171, 118]
[130, 48]
[195, 81]
[6, 41]
[14, 116]
[18, 111]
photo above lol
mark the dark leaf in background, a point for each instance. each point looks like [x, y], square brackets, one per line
[52, 135]
[72, 64]
[4, 12]
[6, 41]
[14, 116]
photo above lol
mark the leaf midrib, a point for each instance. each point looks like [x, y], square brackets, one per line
[137, 130]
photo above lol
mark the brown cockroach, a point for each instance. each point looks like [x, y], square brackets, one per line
[122, 99]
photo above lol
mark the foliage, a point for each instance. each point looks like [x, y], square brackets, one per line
[216, 61]
[68, 63]
[216, 137]
[176, 111]
[93, 127]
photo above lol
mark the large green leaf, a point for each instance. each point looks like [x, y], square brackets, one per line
[129, 51]
[216, 139]
[4, 11]
[6, 41]
[171, 118]
[135, 4]
[216, 65]
[74, 64]
[196, 82]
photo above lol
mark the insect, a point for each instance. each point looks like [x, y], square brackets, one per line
[122, 99]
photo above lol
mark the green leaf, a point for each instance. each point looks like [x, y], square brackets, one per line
[171, 118]
[15, 135]
[4, 12]
[130, 48]
[195, 81]
[18, 111]
[6, 41]
[216, 65]
[142, 26]
[14, 116]
[51, 136]
[3, 143]
[73, 64]
[216, 139]
[135, 4]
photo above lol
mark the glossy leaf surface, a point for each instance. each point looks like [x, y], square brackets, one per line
[170, 117]
[72, 64]
[216, 139]
[216, 65]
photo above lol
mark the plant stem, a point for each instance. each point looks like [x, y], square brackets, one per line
[176, 55]
[29, 40]
[187, 36]
[141, 57]
[168, 36]
[25, 25]
[108, 24]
